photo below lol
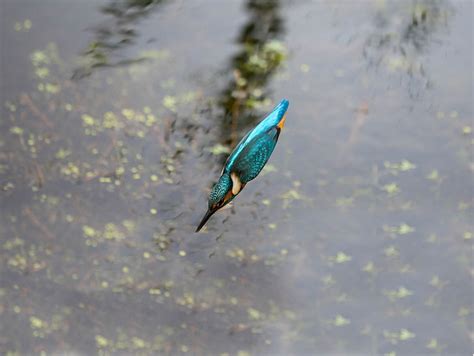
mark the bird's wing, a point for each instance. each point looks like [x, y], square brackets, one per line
[255, 155]
[265, 126]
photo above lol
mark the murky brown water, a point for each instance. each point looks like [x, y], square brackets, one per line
[116, 119]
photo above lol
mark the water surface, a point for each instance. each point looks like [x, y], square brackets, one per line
[117, 117]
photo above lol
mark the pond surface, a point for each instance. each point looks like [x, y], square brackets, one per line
[116, 118]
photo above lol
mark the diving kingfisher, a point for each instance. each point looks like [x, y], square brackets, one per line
[247, 160]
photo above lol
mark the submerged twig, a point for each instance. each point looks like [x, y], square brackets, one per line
[26, 100]
[361, 118]
[35, 221]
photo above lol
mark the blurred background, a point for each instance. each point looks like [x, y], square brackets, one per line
[116, 118]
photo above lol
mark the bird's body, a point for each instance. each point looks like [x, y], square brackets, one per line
[247, 160]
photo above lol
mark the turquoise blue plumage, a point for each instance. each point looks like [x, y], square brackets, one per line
[255, 155]
[246, 160]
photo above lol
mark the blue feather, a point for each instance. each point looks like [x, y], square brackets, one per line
[266, 124]
[255, 155]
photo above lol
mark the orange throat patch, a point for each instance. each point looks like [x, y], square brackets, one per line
[281, 124]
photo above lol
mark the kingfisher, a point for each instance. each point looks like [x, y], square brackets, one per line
[246, 160]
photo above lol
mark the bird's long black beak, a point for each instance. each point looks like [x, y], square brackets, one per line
[205, 218]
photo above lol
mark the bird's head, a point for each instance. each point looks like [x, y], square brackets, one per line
[221, 194]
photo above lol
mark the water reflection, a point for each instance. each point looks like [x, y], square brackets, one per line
[113, 36]
[403, 33]
[261, 54]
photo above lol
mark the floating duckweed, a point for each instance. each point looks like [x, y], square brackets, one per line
[341, 321]
[36, 323]
[68, 107]
[52, 88]
[62, 153]
[328, 280]
[236, 253]
[304, 68]
[18, 261]
[341, 257]
[434, 175]
[272, 226]
[88, 231]
[468, 235]
[218, 149]
[266, 202]
[17, 309]
[16, 130]
[24, 26]
[8, 186]
[42, 72]
[154, 178]
[154, 291]
[111, 121]
[13, 243]
[432, 344]
[169, 102]
[182, 253]
[369, 267]
[104, 284]
[399, 293]
[88, 120]
[112, 232]
[101, 341]
[153, 211]
[129, 225]
[184, 348]
[406, 334]
[254, 314]
[146, 255]
[403, 166]
[394, 337]
[138, 343]
[453, 114]
[39, 57]
[268, 169]
[119, 171]
[391, 189]
[150, 120]
[292, 195]
[464, 311]
[436, 281]
[391, 251]
[128, 113]
[344, 201]
[403, 229]
[466, 130]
